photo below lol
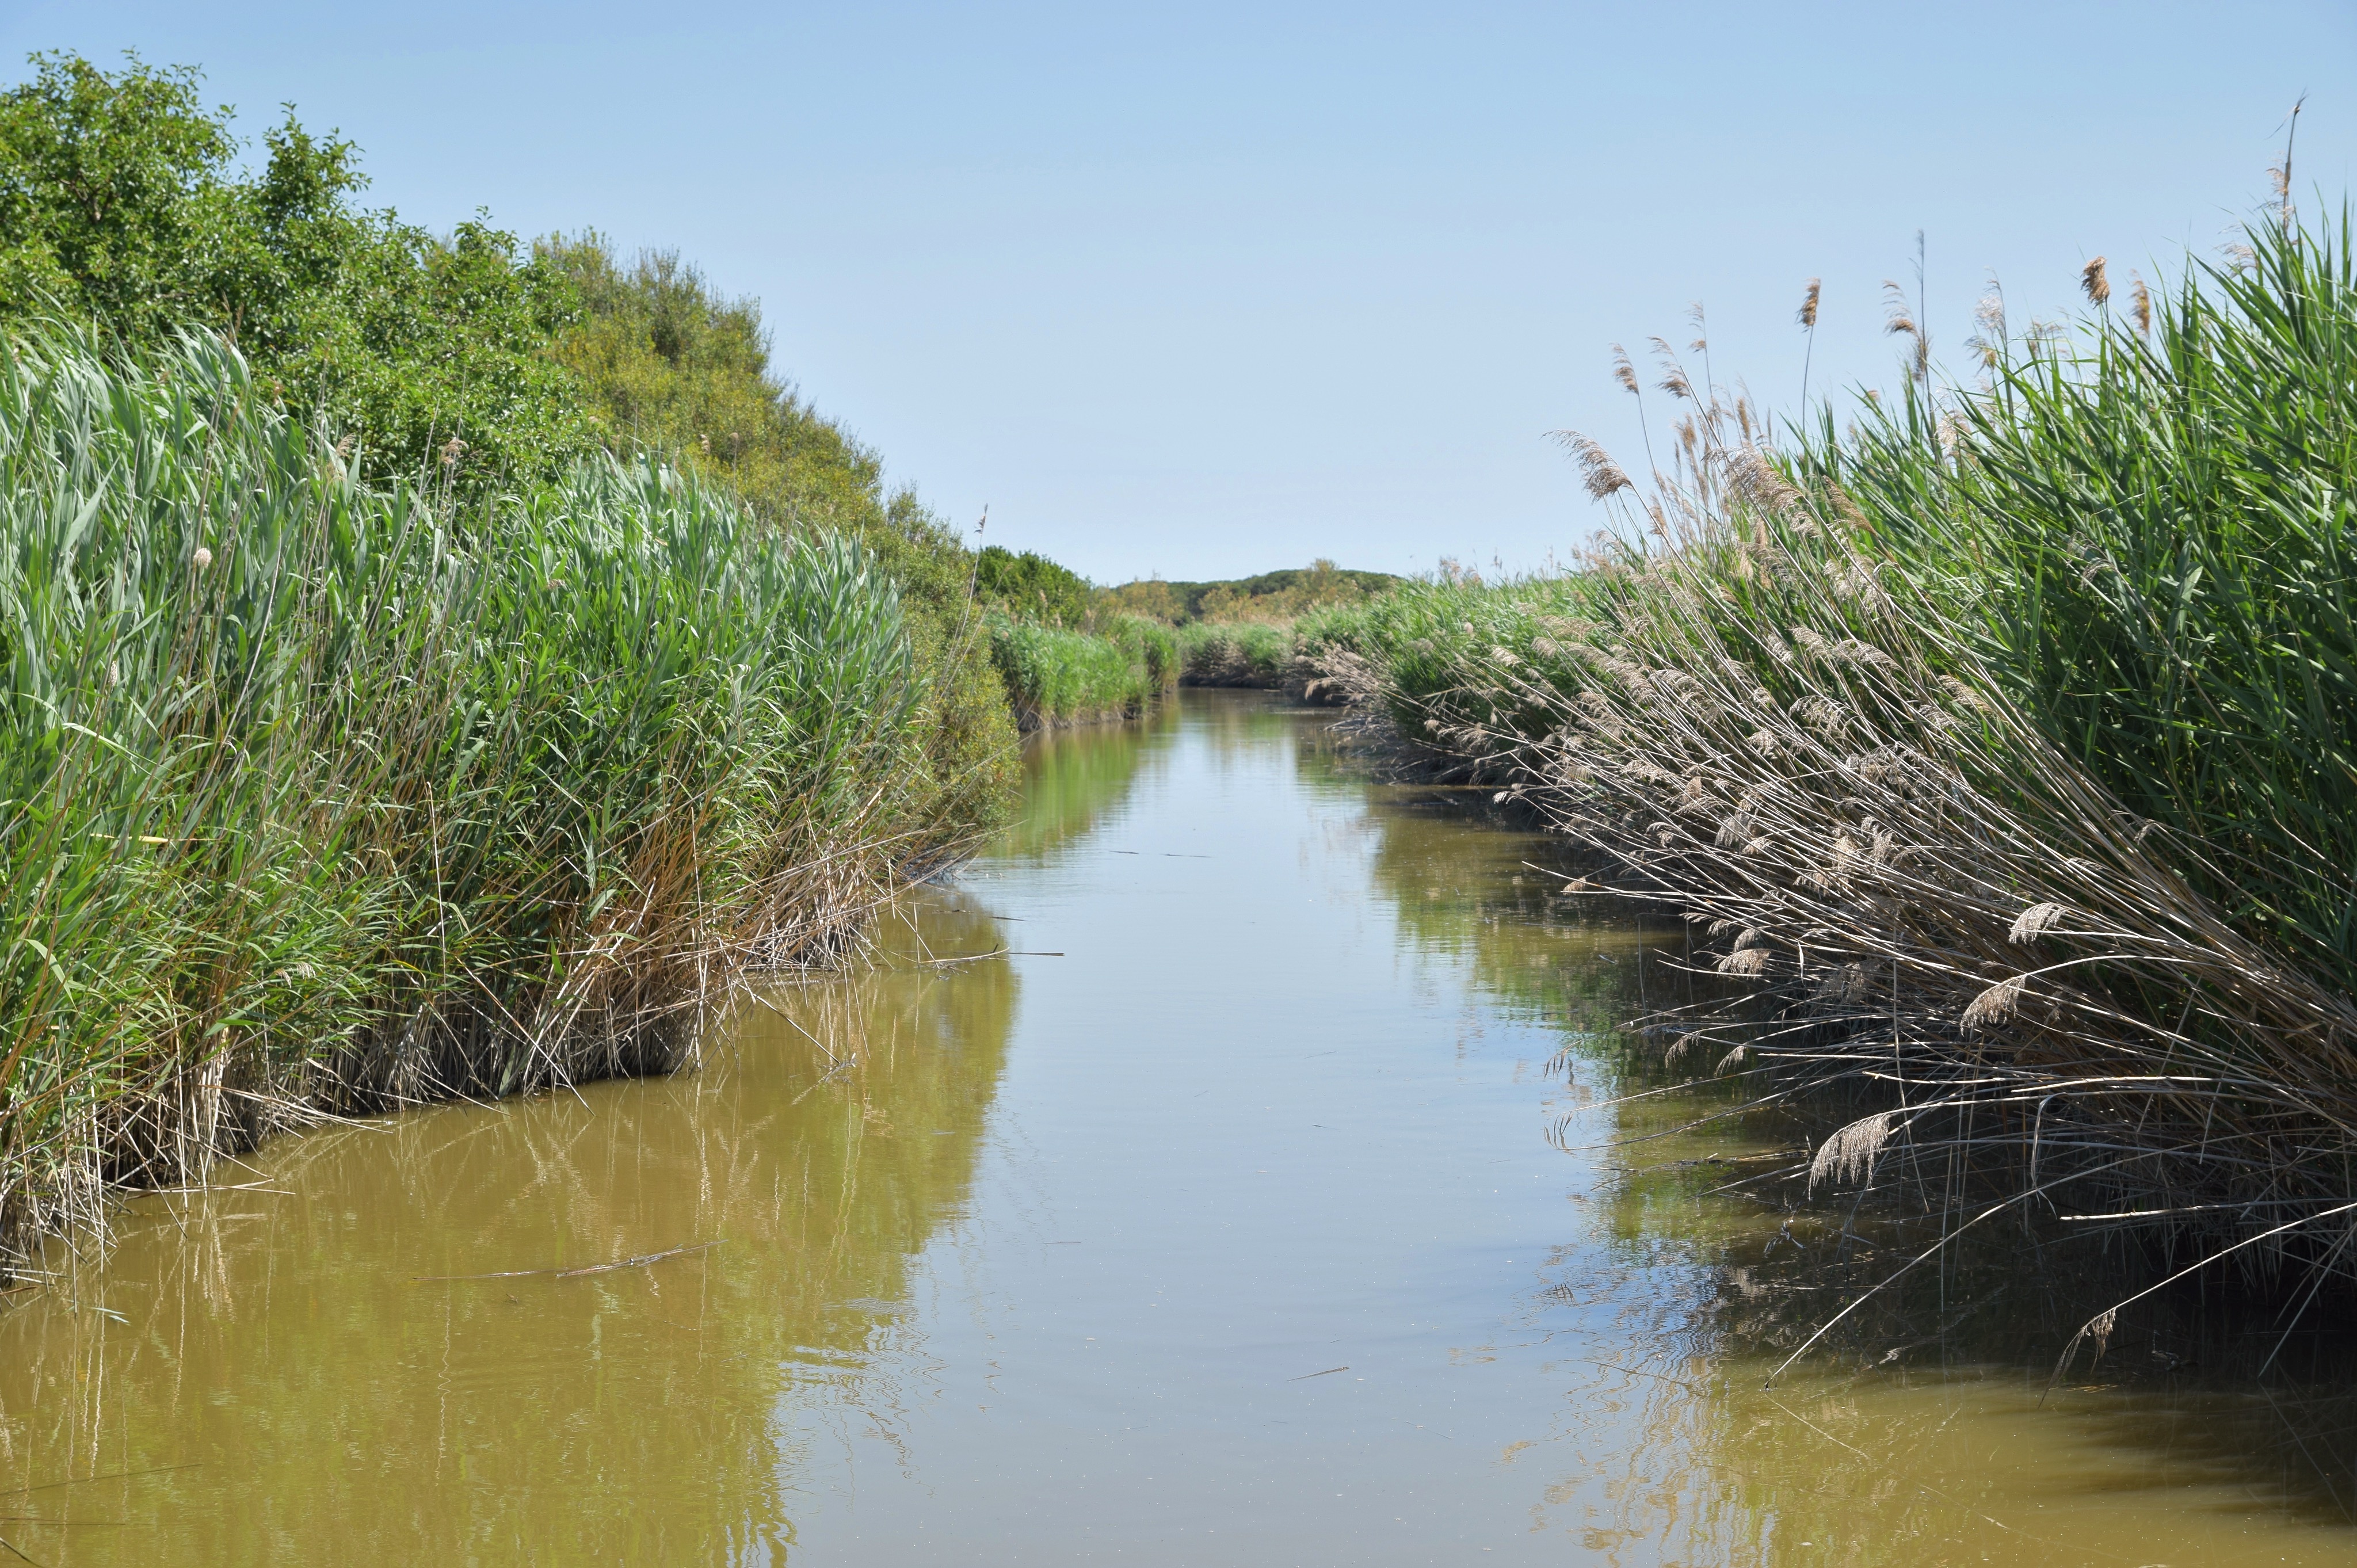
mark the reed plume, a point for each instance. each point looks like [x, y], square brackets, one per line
[2095, 282]
[1807, 317]
[1907, 722]
[1602, 476]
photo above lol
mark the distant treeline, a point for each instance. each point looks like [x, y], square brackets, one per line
[1272, 596]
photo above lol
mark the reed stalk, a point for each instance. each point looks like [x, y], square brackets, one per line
[317, 797]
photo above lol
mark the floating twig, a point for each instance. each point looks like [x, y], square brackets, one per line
[641, 1262]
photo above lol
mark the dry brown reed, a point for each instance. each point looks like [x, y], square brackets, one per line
[2095, 282]
[1939, 909]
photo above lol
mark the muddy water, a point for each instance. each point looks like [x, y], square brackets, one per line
[1258, 1207]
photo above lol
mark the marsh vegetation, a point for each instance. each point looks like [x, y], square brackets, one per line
[1997, 742]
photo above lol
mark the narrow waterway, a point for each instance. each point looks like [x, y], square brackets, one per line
[1251, 1201]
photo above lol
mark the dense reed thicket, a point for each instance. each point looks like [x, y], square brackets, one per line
[1245, 653]
[321, 795]
[466, 361]
[1115, 669]
[669, 368]
[2002, 742]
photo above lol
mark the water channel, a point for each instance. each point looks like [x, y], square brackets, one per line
[1254, 1202]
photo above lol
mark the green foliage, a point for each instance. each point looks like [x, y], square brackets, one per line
[1153, 646]
[1272, 596]
[1033, 587]
[673, 367]
[325, 793]
[120, 202]
[2150, 540]
[1435, 640]
[669, 366]
[1243, 653]
[1059, 677]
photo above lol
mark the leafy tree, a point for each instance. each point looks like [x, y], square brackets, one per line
[1033, 587]
[121, 201]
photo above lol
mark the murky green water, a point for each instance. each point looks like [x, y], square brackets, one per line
[1234, 1216]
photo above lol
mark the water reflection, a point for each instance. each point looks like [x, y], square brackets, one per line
[1287, 1192]
[1930, 1423]
[286, 1345]
[1073, 778]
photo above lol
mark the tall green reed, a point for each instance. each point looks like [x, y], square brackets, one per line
[1061, 677]
[315, 797]
[2147, 536]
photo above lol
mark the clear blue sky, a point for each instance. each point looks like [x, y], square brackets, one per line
[1206, 289]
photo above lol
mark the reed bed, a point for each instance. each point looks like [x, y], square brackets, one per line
[1246, 653]
[1057, 676]
[1278, 656]
[2000, 747]
[320, 798]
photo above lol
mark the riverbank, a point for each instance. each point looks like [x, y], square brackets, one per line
[328, 796]
[454, 688]
[1057, 676]
[1996, 749]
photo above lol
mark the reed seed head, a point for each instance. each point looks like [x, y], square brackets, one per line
[1898, 318]
[1624, 372]
[1849, 1153]
[1602, 476]
[201, 559]
[1808, 315]
[1997, 1005]
[2097, 284]
[2037, 919]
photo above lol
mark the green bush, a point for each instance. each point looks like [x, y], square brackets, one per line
[1032, 586]
[121, 202]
